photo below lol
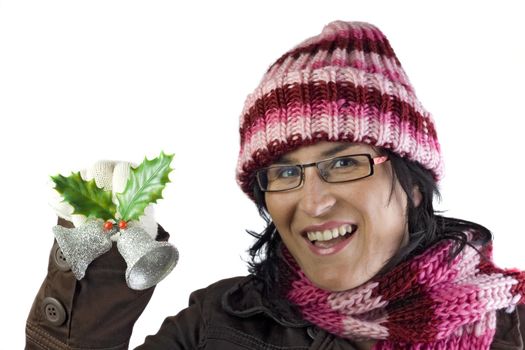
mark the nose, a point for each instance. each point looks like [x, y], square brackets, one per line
[317, 197]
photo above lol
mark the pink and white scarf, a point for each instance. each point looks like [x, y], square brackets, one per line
[424, 303]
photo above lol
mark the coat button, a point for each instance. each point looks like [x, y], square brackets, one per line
[60, 259]
[54, 311]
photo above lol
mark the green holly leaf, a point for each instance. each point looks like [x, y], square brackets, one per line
[85, 197]
[144, 186]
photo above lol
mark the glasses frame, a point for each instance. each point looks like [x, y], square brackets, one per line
[372, 161]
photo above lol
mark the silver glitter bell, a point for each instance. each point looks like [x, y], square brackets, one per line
[148, 261]
[81, 245]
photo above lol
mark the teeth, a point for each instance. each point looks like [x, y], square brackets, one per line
[327, 235]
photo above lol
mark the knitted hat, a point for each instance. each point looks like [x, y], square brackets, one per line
[346, 84]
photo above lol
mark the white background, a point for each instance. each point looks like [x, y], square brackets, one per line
[88, 80]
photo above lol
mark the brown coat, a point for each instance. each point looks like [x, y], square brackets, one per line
[230, 314]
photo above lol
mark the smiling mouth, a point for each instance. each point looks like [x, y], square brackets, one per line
[332, 237]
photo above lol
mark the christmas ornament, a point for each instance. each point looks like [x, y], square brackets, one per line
[85, 197]
[81, 245]
[108, 225]
[148, 261]
[144, 186]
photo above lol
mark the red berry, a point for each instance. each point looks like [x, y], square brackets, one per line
[122, 224]
[108, 225]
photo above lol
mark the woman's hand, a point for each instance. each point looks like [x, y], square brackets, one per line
[99, 310]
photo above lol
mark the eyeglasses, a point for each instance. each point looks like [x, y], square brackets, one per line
[352, 167]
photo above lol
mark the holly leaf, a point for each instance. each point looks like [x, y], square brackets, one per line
[144, 186]
[85, 197]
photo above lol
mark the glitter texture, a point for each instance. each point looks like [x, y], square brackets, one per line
[81, 245]
[148, 261]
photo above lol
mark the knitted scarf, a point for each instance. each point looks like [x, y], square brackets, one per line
[428, 302]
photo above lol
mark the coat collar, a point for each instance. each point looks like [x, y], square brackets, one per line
[245, 299]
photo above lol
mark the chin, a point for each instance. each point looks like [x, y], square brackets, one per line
[332, 283]
[334, 286]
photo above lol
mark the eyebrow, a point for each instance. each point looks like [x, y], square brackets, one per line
[329, 152]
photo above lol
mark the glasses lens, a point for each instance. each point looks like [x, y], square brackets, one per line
[279, 178]
[347, 168]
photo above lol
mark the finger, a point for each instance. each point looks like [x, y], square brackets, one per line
[120, 176]
[78, 220]
[102, 172]
[147, 221]
[62, 208]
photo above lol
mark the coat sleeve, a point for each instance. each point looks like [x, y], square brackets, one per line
[521, 313]
[184, 331]
[97, 312]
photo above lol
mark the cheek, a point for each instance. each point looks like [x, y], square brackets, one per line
[398, 205]
[394, 221]
[279, 210]
[384, 215]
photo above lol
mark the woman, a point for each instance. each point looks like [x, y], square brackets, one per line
[343, 162]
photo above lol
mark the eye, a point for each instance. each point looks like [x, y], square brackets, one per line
[287, 172]
[277, 173]
[345, 162]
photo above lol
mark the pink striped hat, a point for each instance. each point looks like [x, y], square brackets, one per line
[346, 84]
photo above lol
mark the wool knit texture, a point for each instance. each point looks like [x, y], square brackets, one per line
[345, 84]
[424, 303]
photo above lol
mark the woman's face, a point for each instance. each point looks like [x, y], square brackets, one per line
[373, 217]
